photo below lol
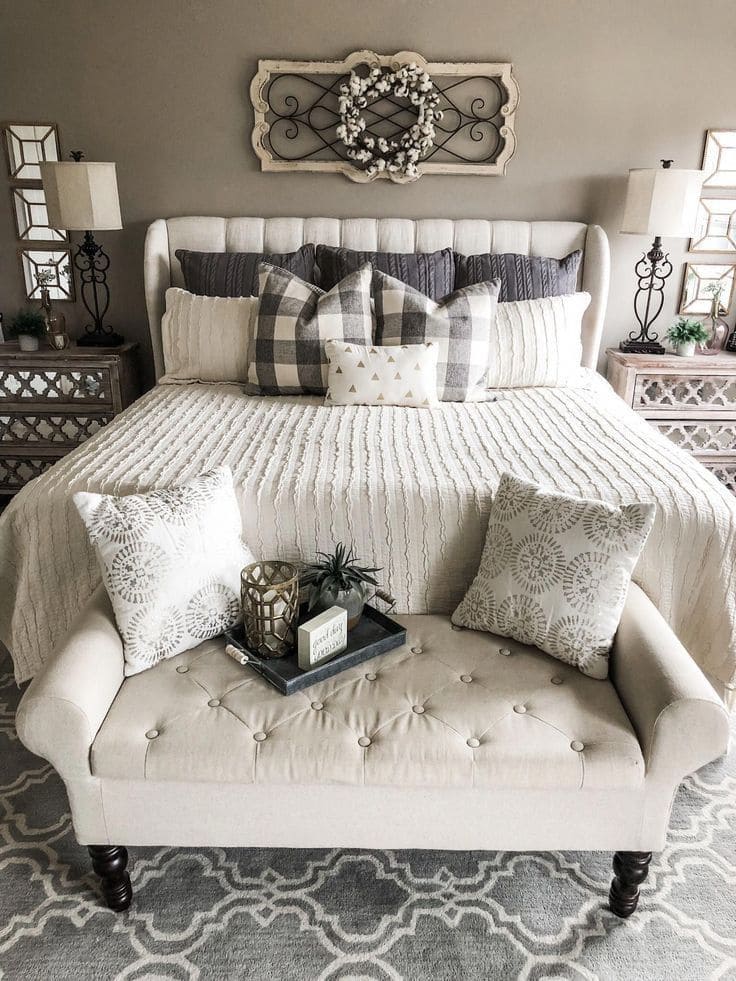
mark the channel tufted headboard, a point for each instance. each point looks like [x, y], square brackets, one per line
[469, 236]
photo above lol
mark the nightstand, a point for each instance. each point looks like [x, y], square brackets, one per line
[691, 401]
[51, 401]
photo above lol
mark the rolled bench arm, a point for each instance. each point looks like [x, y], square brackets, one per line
[64, 706]
[679, 719]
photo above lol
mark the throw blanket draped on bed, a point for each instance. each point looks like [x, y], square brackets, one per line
[409, 488]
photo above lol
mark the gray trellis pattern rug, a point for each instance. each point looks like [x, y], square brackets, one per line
[213, 913]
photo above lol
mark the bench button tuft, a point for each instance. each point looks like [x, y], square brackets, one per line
[520, 709]
[419, 709]
[473, 742]
[577, 745]
[371, 676]
[364, 741]
[182, 669]
[416, 650]
[467, 678]
[213, 702]
[556, 680]
[152, 733]
[505, 651]
[259, 736]
[317, 706]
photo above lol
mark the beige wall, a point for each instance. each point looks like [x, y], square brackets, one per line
[161, 87]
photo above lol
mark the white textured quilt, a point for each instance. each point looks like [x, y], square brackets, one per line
[410, 488]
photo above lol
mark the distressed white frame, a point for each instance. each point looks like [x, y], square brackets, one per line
[502, 71]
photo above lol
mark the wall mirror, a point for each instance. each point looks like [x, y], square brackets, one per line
[715, 228]
[50, 268]
[26, 145]
[31, 216]
[719, 158]
[699, 276]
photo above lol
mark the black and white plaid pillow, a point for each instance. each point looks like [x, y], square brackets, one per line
[293, 322]
[460, 325]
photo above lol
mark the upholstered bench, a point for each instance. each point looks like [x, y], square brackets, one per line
[458, 740]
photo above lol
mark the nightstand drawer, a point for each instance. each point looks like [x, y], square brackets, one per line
[703, 392]
[33, 429]
[23, 383]
[699, 436]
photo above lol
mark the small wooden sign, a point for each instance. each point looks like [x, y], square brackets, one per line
[322, 638]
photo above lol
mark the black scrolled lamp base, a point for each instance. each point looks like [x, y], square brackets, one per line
[652, 271]
[92, 262]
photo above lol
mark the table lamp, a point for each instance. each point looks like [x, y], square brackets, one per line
[662, 203]
[83, 196]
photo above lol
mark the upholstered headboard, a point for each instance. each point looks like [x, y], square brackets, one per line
[469, 236]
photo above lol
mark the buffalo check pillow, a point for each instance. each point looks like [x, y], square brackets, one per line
[460, 325]
[294, 320]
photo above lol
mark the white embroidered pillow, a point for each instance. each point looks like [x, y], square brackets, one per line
[371, 375]
[537, 342]
[171, 562]
[206, 338]
[555, 571]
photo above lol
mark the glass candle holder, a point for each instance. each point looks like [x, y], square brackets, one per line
[269, 592]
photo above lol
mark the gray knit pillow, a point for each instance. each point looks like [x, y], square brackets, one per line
[236, 273]
[431, 273]
[522, 277]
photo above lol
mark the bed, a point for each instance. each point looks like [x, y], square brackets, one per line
[410, 489]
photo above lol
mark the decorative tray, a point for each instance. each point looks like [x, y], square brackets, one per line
[374, 634]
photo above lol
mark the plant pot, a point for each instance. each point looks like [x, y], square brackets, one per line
[351, 600]
[686, 350]
[26, 342]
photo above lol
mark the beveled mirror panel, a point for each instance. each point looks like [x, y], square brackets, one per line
[715, 229]
[719, 158]
[31, 216]
[699, 276]
[50, 268]
[27, 145]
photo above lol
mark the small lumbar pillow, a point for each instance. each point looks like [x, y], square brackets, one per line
[460, 326]
[360, 375]
[293, 322]
[555, 571]
[171, 562]
[537, 342]
[206, 338]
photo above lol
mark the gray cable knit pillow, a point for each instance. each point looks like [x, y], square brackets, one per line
[431, 273]
[522, 277]
[555, 571]
[236, 273]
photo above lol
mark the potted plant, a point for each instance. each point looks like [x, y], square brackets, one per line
[338, 580]
[28, 326]
[684, 334]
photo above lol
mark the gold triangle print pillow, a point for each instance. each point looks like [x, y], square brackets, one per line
[372, 375]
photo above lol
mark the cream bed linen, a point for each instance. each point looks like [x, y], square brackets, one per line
[410, 488]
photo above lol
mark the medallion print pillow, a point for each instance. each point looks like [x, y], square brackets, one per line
[171, 562]
[460, 325]
[359, 375]
[555, 571]
[294, 320]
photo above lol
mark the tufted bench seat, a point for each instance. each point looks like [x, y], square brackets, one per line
[449, 709]
[457, 740]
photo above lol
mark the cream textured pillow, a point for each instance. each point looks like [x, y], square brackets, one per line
[537, 342]
[171, 562]
[555, 571]
[206, 338]
[359, 375]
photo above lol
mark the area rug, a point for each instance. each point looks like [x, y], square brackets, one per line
[213, 913]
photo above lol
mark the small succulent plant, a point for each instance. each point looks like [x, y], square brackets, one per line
[29, 322]
[338, 571]
[685, 331]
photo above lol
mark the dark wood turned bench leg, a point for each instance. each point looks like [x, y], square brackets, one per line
[630, 870]
[110, 862]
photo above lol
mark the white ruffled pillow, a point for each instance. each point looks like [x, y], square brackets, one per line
[537, 342]
[373, 375]
[206, 338]
[171, 562]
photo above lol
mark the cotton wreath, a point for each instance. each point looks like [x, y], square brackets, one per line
[399, 155]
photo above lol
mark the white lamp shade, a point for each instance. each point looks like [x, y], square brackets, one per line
[81, 196]
[662, 202]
